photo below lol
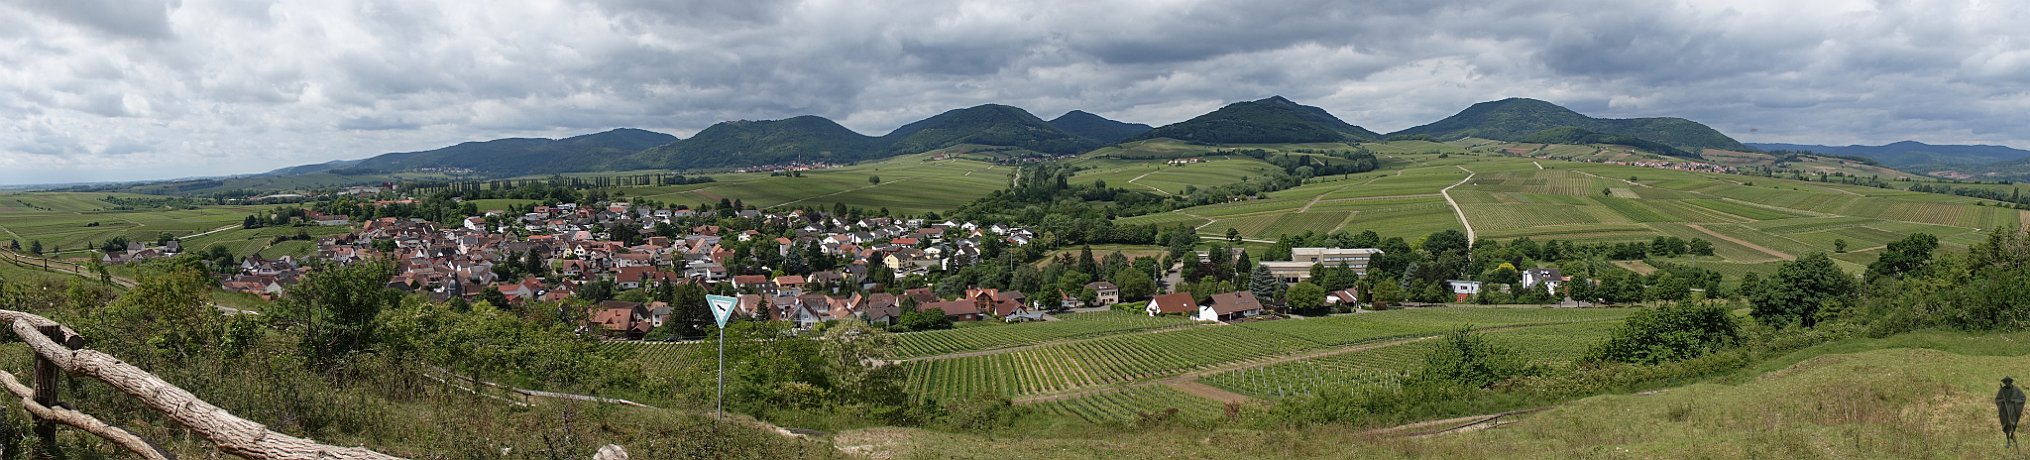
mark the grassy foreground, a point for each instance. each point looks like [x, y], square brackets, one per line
[1918, 395]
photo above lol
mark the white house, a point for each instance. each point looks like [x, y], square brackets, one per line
[1549, 277]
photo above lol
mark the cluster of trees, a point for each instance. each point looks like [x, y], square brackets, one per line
[2014, 195]
[1305, 164]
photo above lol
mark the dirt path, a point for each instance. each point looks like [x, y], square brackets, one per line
[1637, 266]
[1210, 392]
[1540, 166]
[1451, 425]
[1379, 198]
[1744, 243]
[1151, 187]
[1447, 192]
[2023, 220]
[1314, 199]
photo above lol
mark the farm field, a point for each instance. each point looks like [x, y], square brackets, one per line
[1751, 221]
[909, 184]
[1385, 367]
[917, 344]
[1167, 179]
[1119, 358]
[71, 230]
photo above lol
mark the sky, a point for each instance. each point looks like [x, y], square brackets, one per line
[106, 90]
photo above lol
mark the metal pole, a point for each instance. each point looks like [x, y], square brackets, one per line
[722, 377]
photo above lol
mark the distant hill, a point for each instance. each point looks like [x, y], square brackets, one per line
[1908, 154]
[1098, 128]
[1274, 120]
[1576, 136]
[744, 143]
[992, 124]
[1516, 118]
[506, 156]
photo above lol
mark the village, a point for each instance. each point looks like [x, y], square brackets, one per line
[554, 253]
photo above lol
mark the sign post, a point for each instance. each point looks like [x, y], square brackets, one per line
[722, 308]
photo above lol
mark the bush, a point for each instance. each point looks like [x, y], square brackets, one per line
[1673, 333]
[1469, 359]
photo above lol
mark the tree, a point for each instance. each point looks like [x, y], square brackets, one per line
[1445, 242]
[596, 291]
[1384, 292]
[1470, 359]
[1699, 246]
[1673, 333]
[35, 247]
[1134, 283]
[495, 298]
[335, 308]
[1606, 192]
[1266, 286]
[1840, 246]
[873, 180]
[1233, 235]
[1800, 291]
[1903, 256]
[853, 353]
[1306, 296]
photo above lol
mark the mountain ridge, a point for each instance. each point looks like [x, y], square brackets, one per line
[1271, 120]
[1516, 118]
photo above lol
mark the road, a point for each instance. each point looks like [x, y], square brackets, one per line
[1470, 237]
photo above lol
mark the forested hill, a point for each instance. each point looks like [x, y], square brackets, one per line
[1274, 120]
[512, 156]
[1095, 127]
[1913, 153]
[991, 125]
[1515, 119]
[744, 143]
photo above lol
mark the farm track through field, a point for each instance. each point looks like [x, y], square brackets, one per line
[1637, 266]
[1447, 192]
[1151, 187]
[1384, 197]
[1193, 376]
[1742, 242]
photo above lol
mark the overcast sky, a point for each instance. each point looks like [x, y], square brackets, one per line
[137, 89]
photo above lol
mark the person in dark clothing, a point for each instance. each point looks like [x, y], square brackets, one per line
[2009, 401]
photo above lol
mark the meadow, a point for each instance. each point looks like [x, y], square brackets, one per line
[909, 184]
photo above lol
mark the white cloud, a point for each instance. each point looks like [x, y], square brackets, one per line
[103, 90]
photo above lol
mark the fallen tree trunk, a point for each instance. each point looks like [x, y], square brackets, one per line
[230, 433]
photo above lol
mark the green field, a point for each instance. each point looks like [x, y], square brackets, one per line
[1751, 221]
[1129, 355]
[909, 184]
[71, 230]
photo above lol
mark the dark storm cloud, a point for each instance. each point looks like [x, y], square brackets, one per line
[177, 88]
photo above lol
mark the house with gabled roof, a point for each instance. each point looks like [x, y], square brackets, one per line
[1230, 306]
[1179, 303]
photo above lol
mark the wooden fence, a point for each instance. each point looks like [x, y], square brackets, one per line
[58, 351]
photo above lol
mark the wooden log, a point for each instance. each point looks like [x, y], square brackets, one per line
[232, 434]
[126, 439]
[48, 381]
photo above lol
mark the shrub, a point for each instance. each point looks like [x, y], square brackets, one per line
[1672, 333]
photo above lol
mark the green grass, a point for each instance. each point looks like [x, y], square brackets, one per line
[909, 184]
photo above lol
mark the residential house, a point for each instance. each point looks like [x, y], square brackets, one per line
[1548, 277]
[1463, 289]
[1230, 306]
[619, 319]
[957, 310]
[1179, 303]
[1104, 293]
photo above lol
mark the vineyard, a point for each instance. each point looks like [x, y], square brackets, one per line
[1387, 367]
[1133, 404]
[1059, 367]
[918, 344]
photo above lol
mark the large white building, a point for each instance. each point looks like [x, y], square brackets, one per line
[1298, 268]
